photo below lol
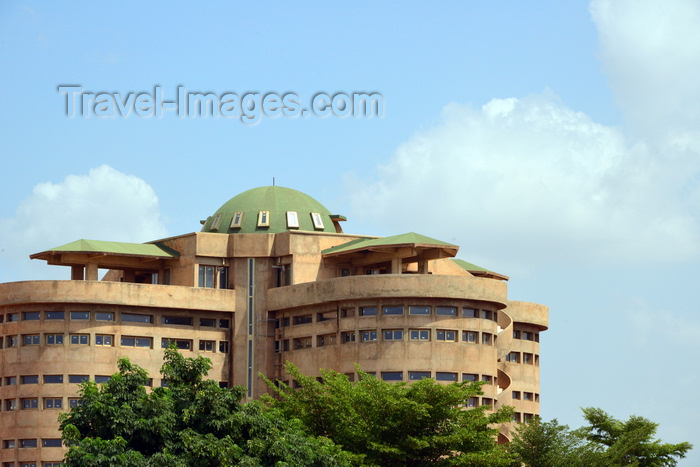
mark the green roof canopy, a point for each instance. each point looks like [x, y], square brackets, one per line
[148, 250]
[407, 239]
[478, 270]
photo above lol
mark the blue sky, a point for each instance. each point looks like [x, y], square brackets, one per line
[555, 142]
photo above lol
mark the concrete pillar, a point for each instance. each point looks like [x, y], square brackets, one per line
[396, 265]
[91, 273]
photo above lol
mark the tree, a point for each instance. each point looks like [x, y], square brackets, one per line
[605, 442]
[396, 423]
[192, 422]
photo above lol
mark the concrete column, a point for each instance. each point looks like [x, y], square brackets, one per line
[396, 265]
[91, 272]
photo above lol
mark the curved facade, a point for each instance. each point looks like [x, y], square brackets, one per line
[252, 298]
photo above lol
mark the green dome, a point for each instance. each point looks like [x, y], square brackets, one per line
[277, 201]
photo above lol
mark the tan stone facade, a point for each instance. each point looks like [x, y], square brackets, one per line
[401, 309]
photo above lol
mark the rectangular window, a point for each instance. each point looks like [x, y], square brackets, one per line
[470, 313]
[445, 335]
[77, 379]
[264, 219]
[136, 318]
[53, 379]
[215, 223]
[31, 316]
[102, 379]
[236, 220]
[10, 380]
[470, 336]
[486, 338]
[224, 323]
[486, 401]
[29, 403]
[418, 310]
[393, 334]
[368, 311]
[305, 319]
[29, 379]
[54, 339]
[207, 322]
[10, 404]
[347, 312]
[416, 375]
[317, 220]
[53, 402]
[27, 443]
[470, 377]
[488, 379]
[446, 311]
[516, 334]
[392, 375]
[445, 376]
[223, 346]
[55, 315]
[31, 339]
[206, 276]
[11, 341]
[346, 337]
[302, 343]
[326, 316]
[513, 357]
[179, 320]
[326, 339]
[79, 315]
[420, 334]
[12, 317]
[292, 220]
[8, 444]
[473, 402]
[74, 402]
[80, 339]
[393, 310]
[486, 314]
[104, 316]
[104, 339]
[527, 358]
[207, 346]
[515, 395]
[182, 344]
[528, 396]
[368, 336]
[51, 442]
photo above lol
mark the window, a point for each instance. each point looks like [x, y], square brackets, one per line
[8, 444]
[182, 344]
[528, 396]
[215, 223]
[393, 334]
[51, 464]
[54, 339]
[55, 315]
[393, 310]
[516, 334]
[27, 443]
[317, 220]
[486, 401]
[473, 402]
[346, 337]
[53, 379]
[206, 276]
[30, 316]
[486, 338]
[527, 358]
[31, 339]
[326, 316]
[368, 311]
[368, 336]
[418, 310]
[79, 315]
[326, 339]
[76, 379]
[10, 404]
[223, 346]
[80, 339]
[135, 318]
[74, 402]
[104, 316]
[207, 322]
[470, 377]
[444, 335]
[12, 317]
[53, 402]
[416, 375]
[420, 334]
[51, 442]
[392, 375]
[470, 313]
[445, 376]
[302, 343]
[179, 320]
[207, 346]
[488, 379]
[446, 311]
[305, 319]
[10, 380]
[102, 379]
[264, 219]
[347, 312]
[513, 357]
[470, 336]
[236, 220]
[528, 336]
[224, 323]
[486, 314]
[29, 403]
[29, 379]
[11, 341]
[516, 395]
[104, 339]
[292, 220]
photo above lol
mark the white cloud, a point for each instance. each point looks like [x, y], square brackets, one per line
[530, 178]
[105, 204]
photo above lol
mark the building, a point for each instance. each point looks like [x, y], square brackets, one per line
[270, 277]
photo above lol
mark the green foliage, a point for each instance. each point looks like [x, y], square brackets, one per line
[192, 422]
[396, 423]
[605, 442]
